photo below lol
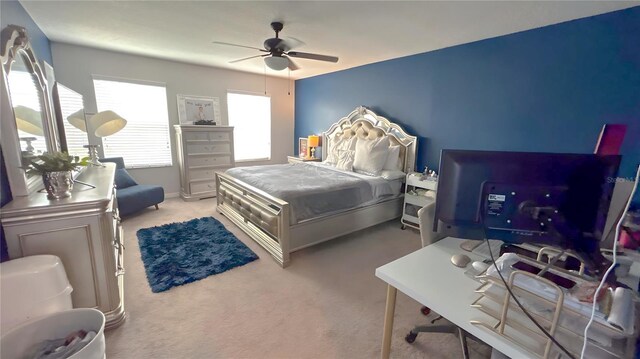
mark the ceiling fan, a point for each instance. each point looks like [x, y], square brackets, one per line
[278, 51]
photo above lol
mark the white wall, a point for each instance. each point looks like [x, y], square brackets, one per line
[75, 65]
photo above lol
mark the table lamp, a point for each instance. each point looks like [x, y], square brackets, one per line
[29, 120]
[314, 141]
[77, 120]
[105, 123]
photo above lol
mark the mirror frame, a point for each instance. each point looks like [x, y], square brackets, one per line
[14, 43]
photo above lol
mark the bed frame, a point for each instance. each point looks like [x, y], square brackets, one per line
[265, 218]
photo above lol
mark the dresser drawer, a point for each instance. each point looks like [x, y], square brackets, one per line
[211, 147]
[210, 160]
[202, 174]
[197, 136]
[199, 187]
[219, 136]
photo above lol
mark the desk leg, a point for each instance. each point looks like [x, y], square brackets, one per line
[389, 311]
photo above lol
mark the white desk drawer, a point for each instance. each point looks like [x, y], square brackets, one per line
[199, 187]
[202, 174]
[198, 136]
[208, 148]
[220, 160]
[219, 136]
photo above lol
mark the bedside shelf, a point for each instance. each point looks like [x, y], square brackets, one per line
[293, 159]
[413, 202]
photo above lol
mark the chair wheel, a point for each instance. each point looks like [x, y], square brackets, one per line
[411, 337]
[425, 311]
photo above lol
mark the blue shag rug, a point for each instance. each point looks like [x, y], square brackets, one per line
[179, 253]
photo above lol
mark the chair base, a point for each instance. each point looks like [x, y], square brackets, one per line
[449, 328]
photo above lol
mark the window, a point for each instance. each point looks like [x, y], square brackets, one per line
[144, 141]
[250, 115]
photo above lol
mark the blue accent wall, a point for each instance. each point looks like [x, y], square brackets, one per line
[547, 90]
[12, 13]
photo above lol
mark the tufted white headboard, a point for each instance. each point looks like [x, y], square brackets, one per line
[365, 123]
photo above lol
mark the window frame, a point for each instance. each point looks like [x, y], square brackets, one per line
[169, 124]
[258, 94]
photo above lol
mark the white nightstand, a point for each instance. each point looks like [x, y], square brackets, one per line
[293, 159]
[413, 200]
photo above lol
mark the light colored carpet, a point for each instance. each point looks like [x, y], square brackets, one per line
[326, 304]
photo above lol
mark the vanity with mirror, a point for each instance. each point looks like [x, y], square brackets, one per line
[83, 230]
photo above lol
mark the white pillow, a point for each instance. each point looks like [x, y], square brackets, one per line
[393, 159]
[371, 155]
[345, 160]
[392, 174]
[339, 144]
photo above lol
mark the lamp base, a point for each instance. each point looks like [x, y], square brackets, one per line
[313, 152]
[93, 156]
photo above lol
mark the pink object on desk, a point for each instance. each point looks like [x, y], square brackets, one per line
[610, 139]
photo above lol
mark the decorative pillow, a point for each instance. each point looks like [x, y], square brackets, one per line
[345, 160]
[371, 156]
[340, 144]
[392, 174]
[123, 179]
[393, 159]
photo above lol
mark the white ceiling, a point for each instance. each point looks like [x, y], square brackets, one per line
[358, 32]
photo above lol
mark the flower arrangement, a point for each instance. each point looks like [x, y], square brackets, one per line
[54, 162]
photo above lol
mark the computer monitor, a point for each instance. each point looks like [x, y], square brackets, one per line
[522, 197]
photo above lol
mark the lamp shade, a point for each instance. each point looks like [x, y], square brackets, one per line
[276, 62]
[314, 141]
[77, 120]
[29, 120]
[106, 123]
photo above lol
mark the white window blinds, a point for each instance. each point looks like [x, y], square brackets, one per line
[250, 116]
[72, 106]
[144, 141]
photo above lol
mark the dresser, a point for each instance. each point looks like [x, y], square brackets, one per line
[202, 151]
[84, 231]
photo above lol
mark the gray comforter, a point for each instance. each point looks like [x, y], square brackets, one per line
[310, 190]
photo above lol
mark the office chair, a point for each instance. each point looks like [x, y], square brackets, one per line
[428, 236]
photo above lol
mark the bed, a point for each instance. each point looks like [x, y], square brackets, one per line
[285, 208]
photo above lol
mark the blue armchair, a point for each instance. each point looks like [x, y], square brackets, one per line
[133, 197]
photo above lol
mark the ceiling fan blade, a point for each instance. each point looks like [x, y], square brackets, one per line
[290, 43]
[236, 45]
[292, 65]
[246, 58]
[306, 55]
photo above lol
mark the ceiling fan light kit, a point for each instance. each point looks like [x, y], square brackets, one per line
[277, 63]
[278, 51]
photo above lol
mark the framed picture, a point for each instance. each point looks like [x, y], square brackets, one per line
[198, 110]
[303, 149]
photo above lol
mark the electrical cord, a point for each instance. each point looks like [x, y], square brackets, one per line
[515, 299]
[613, 264]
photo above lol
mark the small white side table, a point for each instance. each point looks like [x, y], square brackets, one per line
[413, 201]
[293, 159]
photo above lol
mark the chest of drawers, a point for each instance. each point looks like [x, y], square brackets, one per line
[202, 151]
[84, 231]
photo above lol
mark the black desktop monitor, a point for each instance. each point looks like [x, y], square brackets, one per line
[521, 197]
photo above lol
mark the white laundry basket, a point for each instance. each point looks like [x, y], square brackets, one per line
[23, 339]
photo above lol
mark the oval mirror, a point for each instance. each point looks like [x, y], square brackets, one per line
[26, 128]
[26, 99]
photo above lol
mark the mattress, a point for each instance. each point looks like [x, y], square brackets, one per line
[315, 189]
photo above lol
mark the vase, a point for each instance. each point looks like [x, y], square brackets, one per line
[58, 184]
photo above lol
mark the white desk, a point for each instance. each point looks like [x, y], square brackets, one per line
[428, 276]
